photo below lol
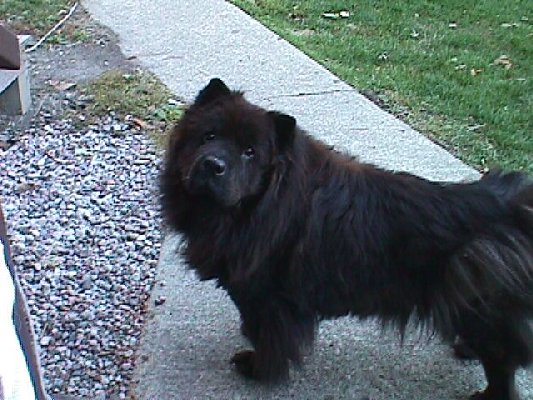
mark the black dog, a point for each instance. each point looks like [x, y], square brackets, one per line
[297, 233]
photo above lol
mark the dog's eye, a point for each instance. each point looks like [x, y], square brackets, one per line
[249, 152]
[209, 136]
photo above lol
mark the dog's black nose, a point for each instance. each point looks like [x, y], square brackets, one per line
[215, 165]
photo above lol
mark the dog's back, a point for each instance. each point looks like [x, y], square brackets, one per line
[487, 292]
[455, 257]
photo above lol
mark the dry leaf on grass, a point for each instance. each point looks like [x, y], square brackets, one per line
[474, 128]
[383, 56]
[336, 15]
[296, 16]
[330, 15]
[504, 61]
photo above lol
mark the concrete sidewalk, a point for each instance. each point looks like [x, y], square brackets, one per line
[191, 337]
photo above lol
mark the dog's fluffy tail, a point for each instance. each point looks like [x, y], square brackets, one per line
[496, 267]
[487, 296]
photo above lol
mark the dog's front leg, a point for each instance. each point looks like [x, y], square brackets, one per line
[278, 335]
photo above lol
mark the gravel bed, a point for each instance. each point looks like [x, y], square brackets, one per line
[82, 210]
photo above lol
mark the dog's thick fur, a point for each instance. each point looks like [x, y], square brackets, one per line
[297, 233]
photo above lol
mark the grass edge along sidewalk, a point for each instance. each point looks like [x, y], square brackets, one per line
[459, 74]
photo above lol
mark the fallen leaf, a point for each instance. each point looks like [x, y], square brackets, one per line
[296, 16]
[330, 15]
[303, 32]
[139, 123]
[475, 127]
[503, 60]
[336, 15]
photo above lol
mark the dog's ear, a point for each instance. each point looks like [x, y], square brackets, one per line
[285, 126]
[214, 90]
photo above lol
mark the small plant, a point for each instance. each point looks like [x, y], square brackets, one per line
[138, 96]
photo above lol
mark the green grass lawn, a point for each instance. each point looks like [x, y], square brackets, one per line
[33, 16]
[458, 71]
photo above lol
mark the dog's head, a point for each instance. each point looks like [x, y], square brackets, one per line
[224, 149]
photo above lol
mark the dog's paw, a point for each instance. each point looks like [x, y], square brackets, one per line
[483, 396]
[244, 362]
[488, 395]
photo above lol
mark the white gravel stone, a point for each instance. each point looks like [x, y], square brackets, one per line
[85, 237]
